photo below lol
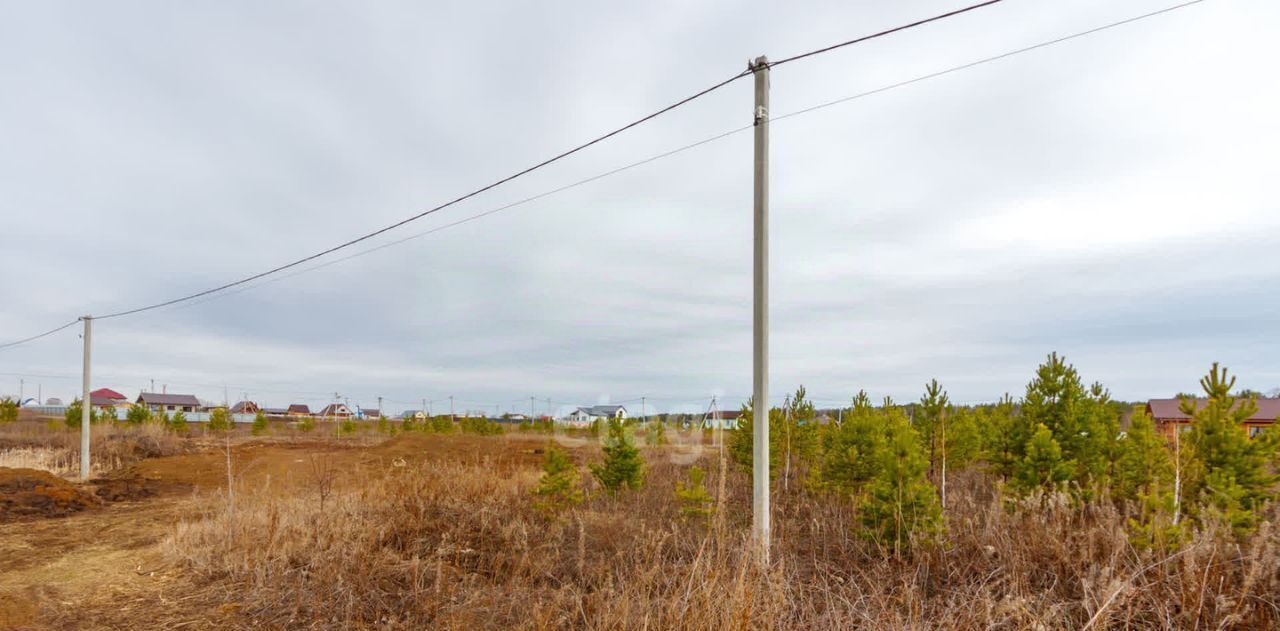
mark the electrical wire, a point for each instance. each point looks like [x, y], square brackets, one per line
[615, 132]
[864, 38]
[708, 140]
[684, 101]
[36, 337]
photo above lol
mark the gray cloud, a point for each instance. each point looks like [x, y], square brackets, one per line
[1111, 199]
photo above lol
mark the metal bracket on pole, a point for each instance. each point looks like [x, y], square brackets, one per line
[760, 316]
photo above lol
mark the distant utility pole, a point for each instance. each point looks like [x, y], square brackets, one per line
[380, 406]
[760, 315]
[86, 404]
[424, 408]
[531, 414]
[153, 386]
[643, 416]
[453, 418]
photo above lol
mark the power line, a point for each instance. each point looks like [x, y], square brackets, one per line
[717, 137]
[864, 38]
[548, 161]
[986, 60]
[632, 165]
[36, 337]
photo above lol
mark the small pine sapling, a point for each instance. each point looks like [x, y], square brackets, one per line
[260, 424]
[558, 489]
[695, 501]
[622, 466]
[219, 420]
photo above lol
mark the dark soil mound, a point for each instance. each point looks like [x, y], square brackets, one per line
[34, 493]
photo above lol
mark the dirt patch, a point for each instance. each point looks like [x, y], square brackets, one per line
[34, 493]
[131, 487]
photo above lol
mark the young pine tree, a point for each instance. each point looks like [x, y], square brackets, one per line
[622, 466]
[74, 413]
[1142, 483]
[178, 423]
[695, 501]
[1001, 446]
[558, 488]
[219, 420]
[1231, 477]
[1043, 468]
[741, 440]
[930, 423]
[137, 415]
[260, 424]
[849, 450]
[902, 505]
[1079, 419]
[8, 410]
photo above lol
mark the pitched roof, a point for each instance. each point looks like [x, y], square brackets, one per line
[335, 408]
[244, 406]
[157, 398]
[299, 408]
[107, 393]
[274, 411]
[102, 401]
[1268, 409]
[602, 410]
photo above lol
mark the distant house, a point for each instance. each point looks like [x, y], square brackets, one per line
[298, 409]
[53, 401]
[336, 410]
[588, 415]
[275, 411]
[159, 402]
[417, 415]
[724, 419]
[1169, 417]
[245, 407]
[370, 413]
[108, 398]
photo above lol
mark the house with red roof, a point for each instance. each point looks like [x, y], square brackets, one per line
[108, 398]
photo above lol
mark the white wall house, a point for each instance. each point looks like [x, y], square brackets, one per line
[588, 415]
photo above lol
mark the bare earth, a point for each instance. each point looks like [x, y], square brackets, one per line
[102, 567]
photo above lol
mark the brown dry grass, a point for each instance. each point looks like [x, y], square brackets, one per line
[450, 541]
[47, 444]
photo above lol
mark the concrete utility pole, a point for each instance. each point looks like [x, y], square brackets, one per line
[644, 417]
[86, 404]
[453, 418]
[380, 406]
[760, 316]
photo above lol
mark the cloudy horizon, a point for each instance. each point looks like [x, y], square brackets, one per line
[1111, 199]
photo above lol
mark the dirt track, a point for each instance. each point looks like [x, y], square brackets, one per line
[102, 568]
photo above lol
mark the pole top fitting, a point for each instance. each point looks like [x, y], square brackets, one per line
[760, 63]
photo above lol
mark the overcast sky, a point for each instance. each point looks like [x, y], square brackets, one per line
[1113, 199]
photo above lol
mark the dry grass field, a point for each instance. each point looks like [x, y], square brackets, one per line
[438, 531]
